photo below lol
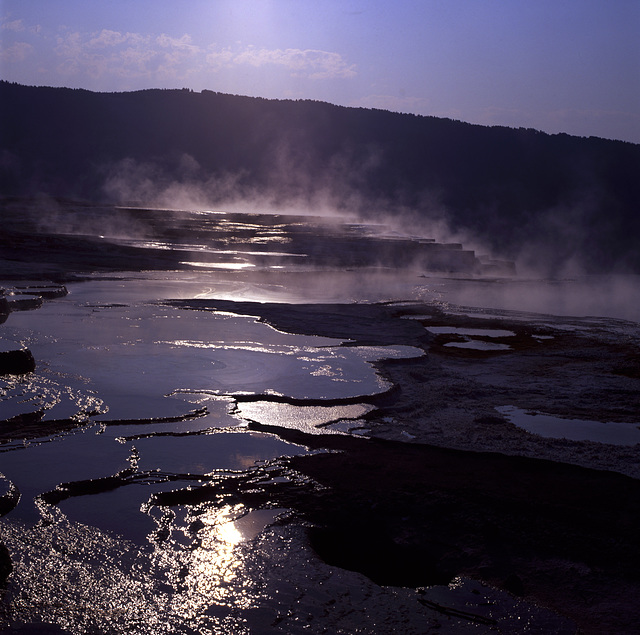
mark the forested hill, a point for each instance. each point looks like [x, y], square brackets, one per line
[554, 196]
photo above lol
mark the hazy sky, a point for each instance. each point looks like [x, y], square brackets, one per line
[556, 65]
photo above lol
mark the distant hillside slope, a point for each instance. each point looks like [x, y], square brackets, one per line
[552, 198]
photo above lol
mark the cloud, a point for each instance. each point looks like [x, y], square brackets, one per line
[180, 44]
[18, 26]
[16, 52]
[176, 54]
[311, 63]
[216, 60]
[114, 53]
[123, 54]
[107, 38]
[15, 25]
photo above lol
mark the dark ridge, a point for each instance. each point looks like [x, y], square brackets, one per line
[563, 197]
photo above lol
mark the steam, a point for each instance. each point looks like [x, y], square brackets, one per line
[130, 183]
[334, 193]
[50, 216]
[556, 242]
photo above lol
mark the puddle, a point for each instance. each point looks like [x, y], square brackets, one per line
[119, 510]
[469, 333]
[572, 429]
[304, 418]
[234, 524]
[220, 265]
[205, 453]
[105, 353]
[454, 330]
[616, 296]
[39, 467]
[90, 454]
[146, 385]
[479, 345]
[419, 317]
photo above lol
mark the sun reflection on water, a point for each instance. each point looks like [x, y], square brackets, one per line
[213, 566]
[213, 579]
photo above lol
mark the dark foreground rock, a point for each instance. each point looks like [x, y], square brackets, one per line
[16, 361]
[416, 516]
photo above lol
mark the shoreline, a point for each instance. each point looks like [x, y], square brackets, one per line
[448, 398]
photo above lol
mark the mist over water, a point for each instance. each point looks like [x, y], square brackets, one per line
[609, 296]
[327, 249]
[385, 271]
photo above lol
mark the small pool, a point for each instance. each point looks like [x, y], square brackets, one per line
[572, 429]
[455, 330]
[479, 345]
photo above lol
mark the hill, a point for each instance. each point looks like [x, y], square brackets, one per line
[554, 199]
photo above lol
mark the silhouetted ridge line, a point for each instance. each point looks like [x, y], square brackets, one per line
[558, 197]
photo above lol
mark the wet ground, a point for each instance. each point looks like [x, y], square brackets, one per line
[285, 448]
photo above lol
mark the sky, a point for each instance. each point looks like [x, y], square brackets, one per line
[568, 66]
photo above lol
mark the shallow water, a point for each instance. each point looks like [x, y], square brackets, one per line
[148, 389]
[455, 330]
[479, 345]
[310, 419]
[574, 429]
[134, 373]
[111, 353]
